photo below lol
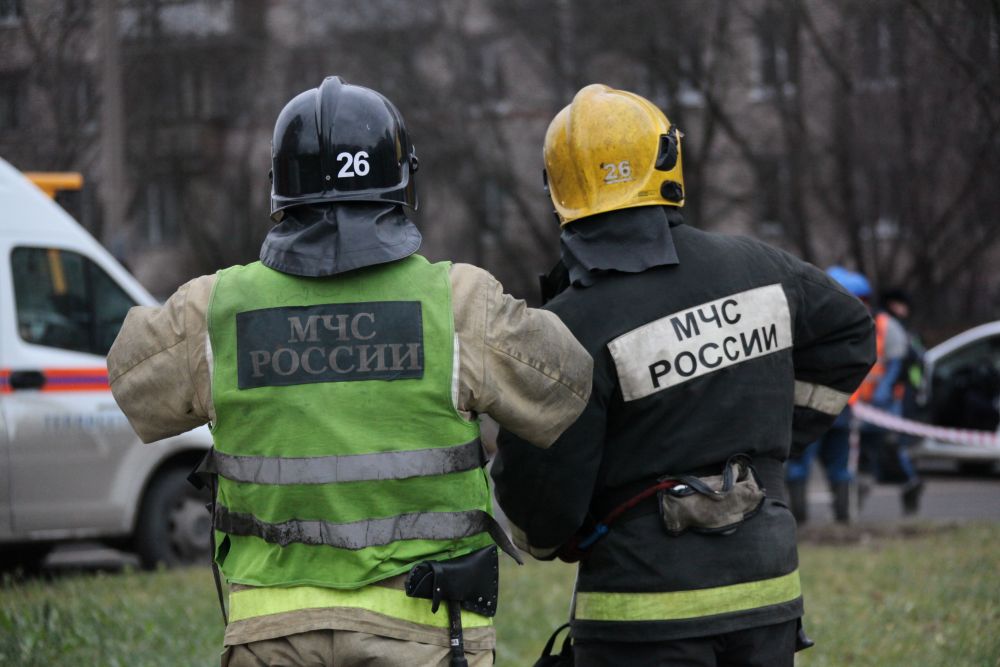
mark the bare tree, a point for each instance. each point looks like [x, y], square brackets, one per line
[55, 33]
[847, 131]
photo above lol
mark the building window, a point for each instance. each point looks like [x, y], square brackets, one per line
[10, 103]
[689, 75]
[79, 101]
[162, 212]
[177, 18]
[10, 11]
[772, 180]
[77, 7]
[190, 94]
[777, 50]
[985, 45]
[494, 200]
[884, 200]
[880, 42]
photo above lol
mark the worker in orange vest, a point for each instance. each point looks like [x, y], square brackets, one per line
[883, 456]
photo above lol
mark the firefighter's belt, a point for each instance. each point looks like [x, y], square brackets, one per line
[713, 504]
[770, 473]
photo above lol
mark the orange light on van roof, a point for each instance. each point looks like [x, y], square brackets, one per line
[50, 182]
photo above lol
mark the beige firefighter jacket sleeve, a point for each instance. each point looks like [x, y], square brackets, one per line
[520, 365]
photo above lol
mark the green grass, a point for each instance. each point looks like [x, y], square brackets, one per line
[168, 619]
[915, 602]
[918, 601]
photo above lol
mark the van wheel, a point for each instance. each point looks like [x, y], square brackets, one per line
[174, 525]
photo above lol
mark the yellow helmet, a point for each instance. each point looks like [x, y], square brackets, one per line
[611, 149]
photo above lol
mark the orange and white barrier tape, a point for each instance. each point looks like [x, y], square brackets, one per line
[959, 436]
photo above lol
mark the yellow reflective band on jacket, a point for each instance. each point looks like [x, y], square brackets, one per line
[252, 602]
[677, 605]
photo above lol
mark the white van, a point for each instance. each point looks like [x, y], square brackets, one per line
[70, 465]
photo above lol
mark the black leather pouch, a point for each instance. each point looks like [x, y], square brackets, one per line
[472, 580]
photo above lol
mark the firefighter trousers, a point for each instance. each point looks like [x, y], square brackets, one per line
[343, 648]
[765, 646]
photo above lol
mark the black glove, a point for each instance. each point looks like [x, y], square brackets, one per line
[554, 282]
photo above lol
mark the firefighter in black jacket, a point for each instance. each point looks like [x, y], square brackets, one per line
[714, 357]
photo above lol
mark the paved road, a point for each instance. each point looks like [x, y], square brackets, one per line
[947, 496]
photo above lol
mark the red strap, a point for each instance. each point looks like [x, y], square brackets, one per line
[638, 498]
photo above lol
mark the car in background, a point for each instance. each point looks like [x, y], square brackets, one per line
[961, 389]
[71, 467]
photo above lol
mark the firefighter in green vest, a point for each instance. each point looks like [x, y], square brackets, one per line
[342, 375]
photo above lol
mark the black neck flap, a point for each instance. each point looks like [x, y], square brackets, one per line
[329, 239]
[629, 240]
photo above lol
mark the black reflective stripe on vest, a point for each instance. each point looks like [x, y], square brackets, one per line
[368, 533]
[352, 468]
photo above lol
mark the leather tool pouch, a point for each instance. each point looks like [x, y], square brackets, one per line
[471, 580]
[715, 504]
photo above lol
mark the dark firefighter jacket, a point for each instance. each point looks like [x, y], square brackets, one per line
[735, 348]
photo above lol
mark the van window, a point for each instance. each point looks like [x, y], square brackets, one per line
[65, 300]
[965, 388]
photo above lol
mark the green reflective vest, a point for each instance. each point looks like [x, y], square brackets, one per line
[340, 455]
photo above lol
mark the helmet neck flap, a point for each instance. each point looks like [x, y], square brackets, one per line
[318, 240]
[630, 240]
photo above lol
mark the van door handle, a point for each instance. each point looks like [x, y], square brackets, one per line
[27, 380]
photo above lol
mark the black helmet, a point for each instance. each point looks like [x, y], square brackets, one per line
[340, 142]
